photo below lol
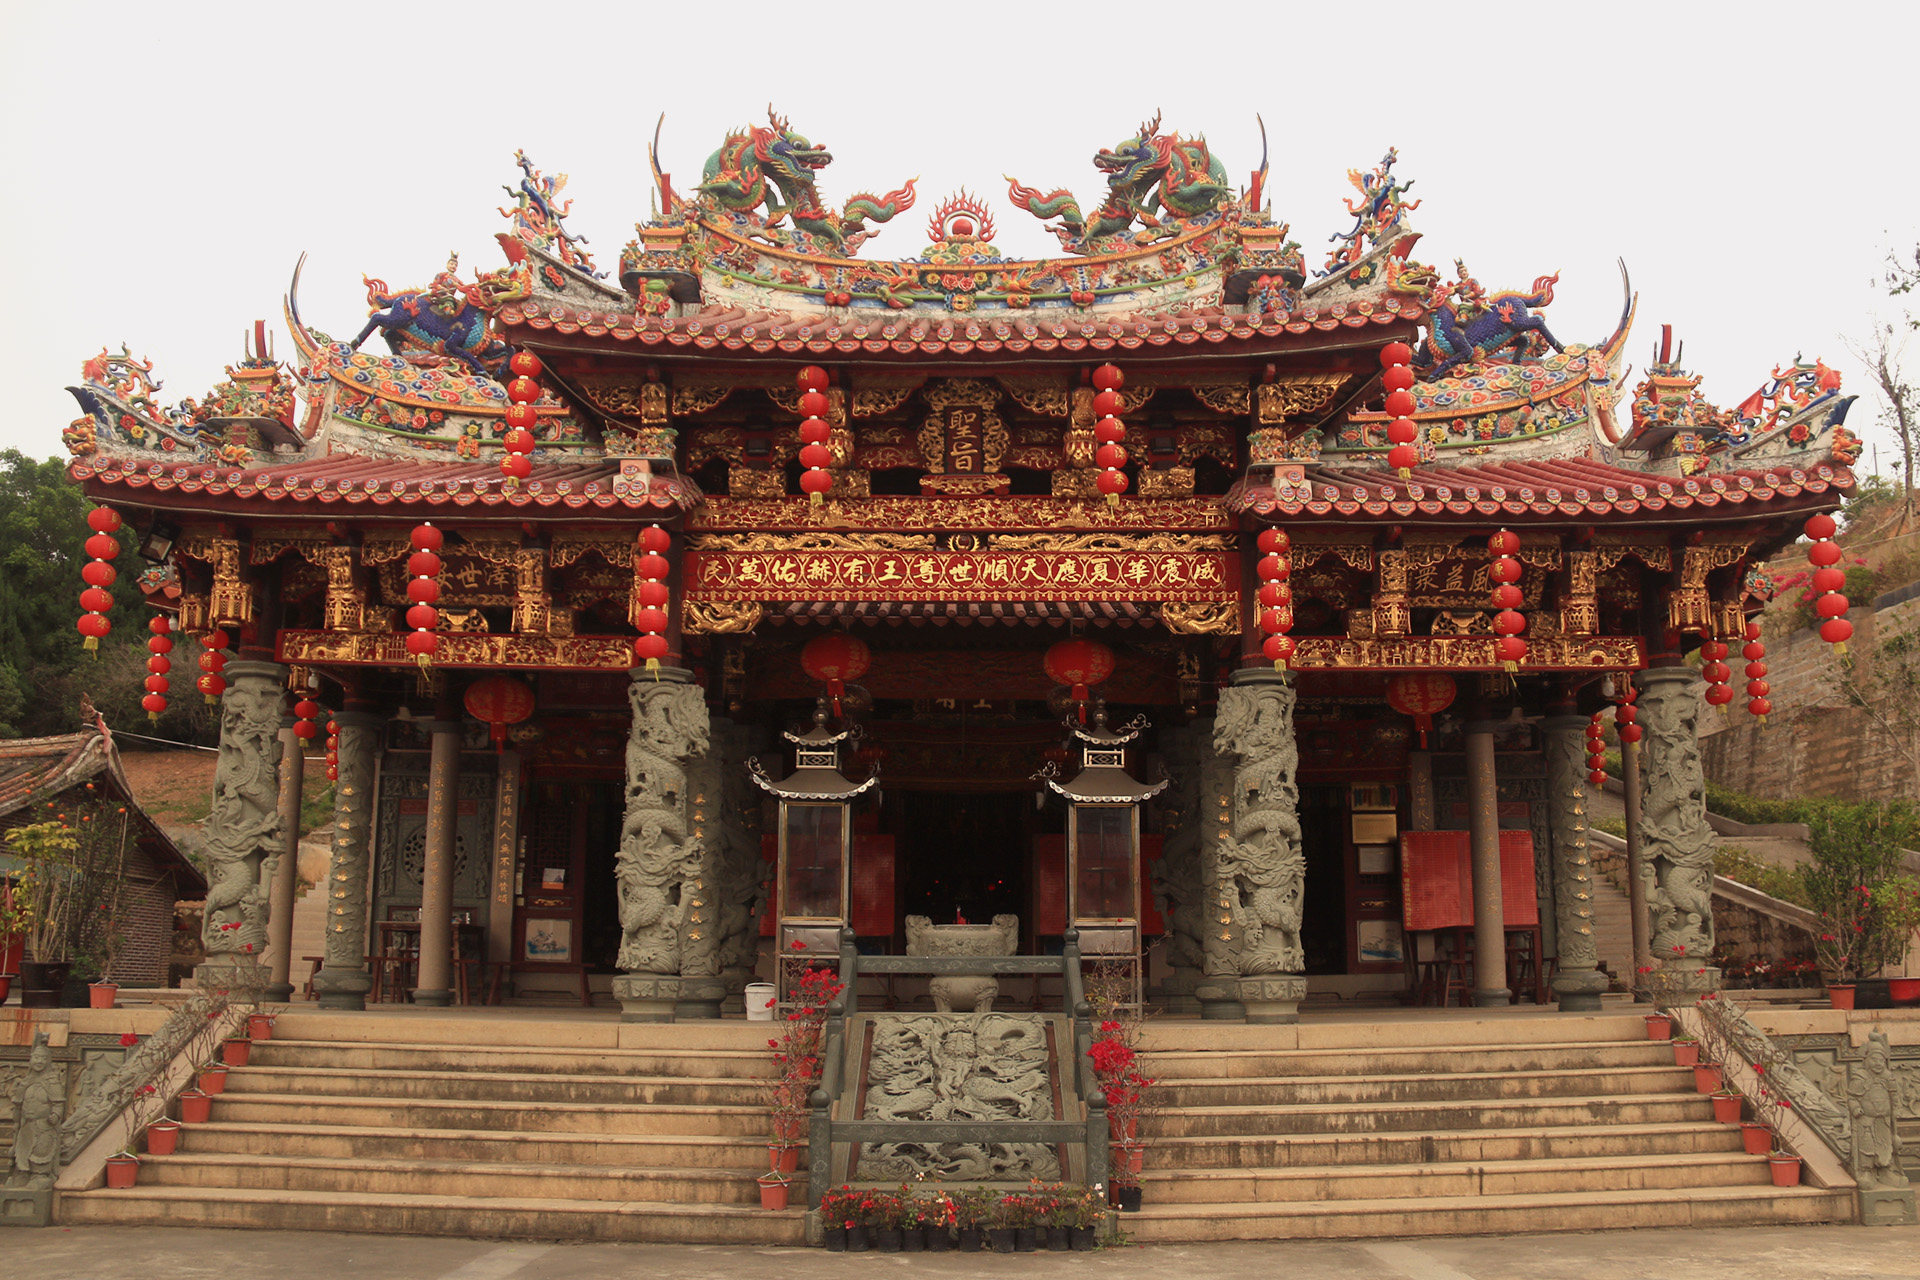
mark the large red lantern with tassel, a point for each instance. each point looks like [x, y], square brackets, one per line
[500, 701]
[834, 659]
[1109, 431]
[1422, 695]
[1079, 664]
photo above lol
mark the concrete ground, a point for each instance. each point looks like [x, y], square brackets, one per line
[1760, 1253]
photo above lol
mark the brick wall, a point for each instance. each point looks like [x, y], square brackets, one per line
[1813, 744]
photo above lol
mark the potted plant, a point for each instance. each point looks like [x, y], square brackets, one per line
[774, 1187]
[196, 1106]
[973, 1215]
[123, 1169]
[797, 1049]
[1012, 1231]
[213, 1078]
[1089, 1210]
[937, 1214]
[1857, 850]
[236, 1050]
[1686, 1051]
[1897, 900]
[1053, 1213]
[836, 1217]
[163, 1137]
[68, 888]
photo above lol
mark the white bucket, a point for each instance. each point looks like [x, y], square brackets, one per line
[759, 1002]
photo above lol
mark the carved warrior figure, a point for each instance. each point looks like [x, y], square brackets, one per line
[243, 826]
[953, 1068]
[963, 992]
[1261, 859]
[657, 854]
[1875, 1101]
[1673, 819]
[37, 1103]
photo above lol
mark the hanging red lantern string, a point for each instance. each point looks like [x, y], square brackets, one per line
[1079, 664]
[213, 661]
[521, 417]
[333, 751]
[1829, 582]
[306, 714]
[650, 596]
[1396, 361]
[815, 431]
[159, 645]
[1276, 596]
[1108, 433]
[1596, 751]
[836, 658]
[95, 599]
[1509, 624]
[1715, 671]
[1625, 714]
[1759, 704]
[423, 588]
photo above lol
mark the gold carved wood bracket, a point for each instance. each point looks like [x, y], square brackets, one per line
[466, 649]
[1466, 653]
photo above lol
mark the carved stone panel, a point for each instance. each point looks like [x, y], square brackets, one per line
[954, 1068]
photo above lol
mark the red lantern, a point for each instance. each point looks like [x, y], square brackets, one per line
[153, 704]
[500, 701]
[1399, 403]
[1624, 714]
[159, 665]
[815, 432]
[1402, 431]
[103, 546]
[650, 619]
[656, 540]
[517, 440]
[815, 483]
[95, 600]
[1512, 650]
[1109, 431]
[213, 660]
[1504, 569]
[103, 520]
[1503, 543]
[1836, 631]
[516, 466]
[1630, 733]
[98, 573]
[650, 649]
[1713, 651]
[1715, 672]
[817, 456]
[1761, 707]
[1110, 456]
[523, 390]
[214, 639]
[1079, 664]
[1112, 483]
[651, 565]
[1755, 670]
[1507, 622]
[1507, 596]
[813, 404]
[423, 617]
[1402, 458]
[526, 364]
[1758, 688]
[524, 416]
[1108, 378]
[423, 591]
[1397, 377]
[1280, 649]
[1275, 594]
[1396, 353]
[1108, 404]
[425, 537]
[1821, 526]
[1598, 777]
[1828, 579]
[1422, 695]
[812, 378]
[1833, 605]
[1821, 553]
[211, 686]
[1274, 541]
[834, 659]
[1719, 695]
[424, 566]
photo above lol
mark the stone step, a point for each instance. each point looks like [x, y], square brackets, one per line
[1390, 1117]
[685, 1185]
[1639, 1171]
[474, 1217]
[517, 1059]
[512, 1116]
[1487, 1215]
[552, 1032]
[1181, 1094]
[1168, 1065]
[1440, 1145]
[386, 1142]
[538, 1088]
[1513, 1026]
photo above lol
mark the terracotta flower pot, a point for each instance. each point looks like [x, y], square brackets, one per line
[195, 1107]
[163, 1136]
[1122, 1128]
[236, 1051]
[773, 1192]
[1125, 1157]
[1706, 1076]
[1726, 1107]
[1755, 1138]
[1686, 1053]
[1659, 1026]
[101, 995]
[122, 1172]
[1785, 1170]
[1840, 996]
[213, 1081]
[782, 1157]
[259, 1026]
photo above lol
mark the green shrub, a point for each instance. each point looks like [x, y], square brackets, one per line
[1736, 863]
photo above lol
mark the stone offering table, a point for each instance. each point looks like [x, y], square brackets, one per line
[963, 993]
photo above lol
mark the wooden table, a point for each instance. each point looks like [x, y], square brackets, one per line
[400, 954]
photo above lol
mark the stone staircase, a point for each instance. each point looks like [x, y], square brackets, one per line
[1454, 1124]
[429, 1123]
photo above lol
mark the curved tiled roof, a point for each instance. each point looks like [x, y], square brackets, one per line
[868, 332]
[1556, 488]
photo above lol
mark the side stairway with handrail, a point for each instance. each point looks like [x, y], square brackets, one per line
[830, 1139]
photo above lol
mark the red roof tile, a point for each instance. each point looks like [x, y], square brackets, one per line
[1555, 488]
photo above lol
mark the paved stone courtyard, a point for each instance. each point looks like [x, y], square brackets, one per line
[1761, 1253]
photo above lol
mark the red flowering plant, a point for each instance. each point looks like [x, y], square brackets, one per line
[797, 1049]
[1115, 1051]
[839, 1206]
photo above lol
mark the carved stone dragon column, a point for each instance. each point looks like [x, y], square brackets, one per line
[1577, 981]
[1674, 833]
[719, 919]
[1178, 879]
[343, 981]
[659, 857]
[1261, 870]
[243, 827]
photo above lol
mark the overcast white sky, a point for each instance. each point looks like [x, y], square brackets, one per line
[169, 162]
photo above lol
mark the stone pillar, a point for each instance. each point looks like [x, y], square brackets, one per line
[659, 857]
[344, 981]
[1420, 802]
[284, 866]
[1489, 908]
[1221, 936]
[1261, 869]
[1636, 871]
[1675, 837]
[1178, 880]
[1577, 980]
[243, 826]
[436, 888]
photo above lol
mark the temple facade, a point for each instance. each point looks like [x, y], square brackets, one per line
[660, 613]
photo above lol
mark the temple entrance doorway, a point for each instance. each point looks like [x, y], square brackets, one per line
[970, 854]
